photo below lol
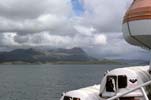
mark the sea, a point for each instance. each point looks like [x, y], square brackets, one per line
[47, 81]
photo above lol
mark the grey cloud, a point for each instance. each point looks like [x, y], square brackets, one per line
[56, 16]
[52, 24]
[34, 16]
[47, 39]
[118, 48]
[27, 9]
[106, 15]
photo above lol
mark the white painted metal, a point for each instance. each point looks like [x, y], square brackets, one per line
[144, 93]
[140, 73]
[140, 27]
[138, 33]
[132, 90]
[88, 93]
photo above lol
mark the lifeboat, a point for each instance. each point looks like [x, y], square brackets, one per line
[137, 24]
[121, 80]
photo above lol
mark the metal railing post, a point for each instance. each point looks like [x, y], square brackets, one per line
[131, 90]
[144, 93]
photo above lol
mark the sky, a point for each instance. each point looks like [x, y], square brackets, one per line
[94, 25]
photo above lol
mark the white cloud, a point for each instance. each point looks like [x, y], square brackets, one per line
[7, 39]
[105, 15]
[85, 30]
[51, 23]
[47, 39]
[117, 47]
[100, 39]
[21, 9]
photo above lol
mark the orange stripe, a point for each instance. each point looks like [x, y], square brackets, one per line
[137, 14]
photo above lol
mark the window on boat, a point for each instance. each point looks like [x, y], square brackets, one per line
[122, 81]
[76, 99]
[127, 98]
[111, 83]
[67, 98]
[70, 98]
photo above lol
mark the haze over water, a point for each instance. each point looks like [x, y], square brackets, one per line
[46, 82]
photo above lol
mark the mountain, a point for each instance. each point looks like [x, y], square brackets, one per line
[60, 55]
[133, 61]
[54, 55]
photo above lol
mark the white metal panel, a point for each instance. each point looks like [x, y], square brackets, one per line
[138, 33]
[140, 27]
[127, 35]
[136, 72]
[88, 93]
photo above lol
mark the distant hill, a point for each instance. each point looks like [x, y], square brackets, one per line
[59, 56]
[54, 55]
[133, 61]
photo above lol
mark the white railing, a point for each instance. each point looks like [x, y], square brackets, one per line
[132, 90]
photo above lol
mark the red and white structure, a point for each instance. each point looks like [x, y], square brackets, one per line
[137, 24]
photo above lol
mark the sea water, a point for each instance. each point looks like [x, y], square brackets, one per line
[47, 81]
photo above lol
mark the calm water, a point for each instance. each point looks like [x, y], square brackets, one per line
[46, 82]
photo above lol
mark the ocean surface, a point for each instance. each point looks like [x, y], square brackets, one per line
[47, 81]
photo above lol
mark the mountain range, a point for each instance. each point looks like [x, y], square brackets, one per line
[60, 55]
[54, 55]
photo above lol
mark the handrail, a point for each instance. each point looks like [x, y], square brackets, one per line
[144, 93]
[131, 90]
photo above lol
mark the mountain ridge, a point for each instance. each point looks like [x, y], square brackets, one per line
[33, 55]
[74, 55]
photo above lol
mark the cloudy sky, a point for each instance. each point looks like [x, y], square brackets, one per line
[94, 25]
